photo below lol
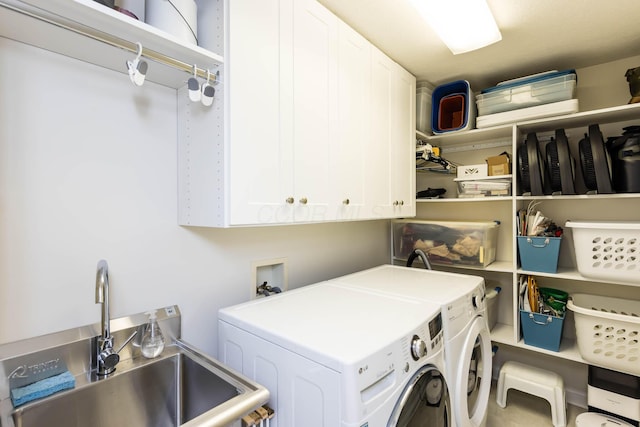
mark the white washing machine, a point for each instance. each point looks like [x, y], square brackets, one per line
[467, 347]
[334, 356]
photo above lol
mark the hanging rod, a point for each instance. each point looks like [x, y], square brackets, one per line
[117, 42]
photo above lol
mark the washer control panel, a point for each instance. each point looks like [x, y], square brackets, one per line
[427, 338]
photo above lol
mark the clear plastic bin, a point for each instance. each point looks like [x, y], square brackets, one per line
[447, 242]
[492, 186]
[526, 94]
[423, 107]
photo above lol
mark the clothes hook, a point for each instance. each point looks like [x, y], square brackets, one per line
[137, 68]
[208, 91]
[194, 86]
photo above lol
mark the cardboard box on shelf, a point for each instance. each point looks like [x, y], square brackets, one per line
[499, 165]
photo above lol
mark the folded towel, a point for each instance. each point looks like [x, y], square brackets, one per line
[42, 388]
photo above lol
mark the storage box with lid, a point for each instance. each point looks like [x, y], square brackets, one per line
[484, 187]
[456, 243]
[545, 88]
[607, 250]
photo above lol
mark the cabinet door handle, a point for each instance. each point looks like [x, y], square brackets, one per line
[396, 203]
[289, 200]
[401, 203]
[303, 201]
[345, 202]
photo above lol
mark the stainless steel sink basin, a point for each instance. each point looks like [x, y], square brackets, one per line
[182, 387]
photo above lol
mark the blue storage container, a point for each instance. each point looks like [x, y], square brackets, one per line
[541, 330]
[539, 253]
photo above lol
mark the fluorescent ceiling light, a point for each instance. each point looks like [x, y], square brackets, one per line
[463, 25]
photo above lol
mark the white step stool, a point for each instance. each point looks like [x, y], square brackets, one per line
[537, 382]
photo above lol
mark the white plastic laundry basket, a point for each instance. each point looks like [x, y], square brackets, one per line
[608, 331]
[607, 250]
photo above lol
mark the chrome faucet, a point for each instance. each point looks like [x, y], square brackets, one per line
[106, 358]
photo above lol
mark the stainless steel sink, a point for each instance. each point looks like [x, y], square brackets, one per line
[182, 387]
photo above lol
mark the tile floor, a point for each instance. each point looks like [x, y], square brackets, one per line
[524, 410]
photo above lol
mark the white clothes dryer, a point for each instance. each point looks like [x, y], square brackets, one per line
[334, 356]
[467, 347]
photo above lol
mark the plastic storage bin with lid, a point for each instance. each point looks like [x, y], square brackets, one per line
[538, 89]
[470, 243]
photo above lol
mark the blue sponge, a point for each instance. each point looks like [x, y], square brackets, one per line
[42, 388]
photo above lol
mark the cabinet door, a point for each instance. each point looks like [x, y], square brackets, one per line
[349, 157]
[378, 154]
[315, 32]
[260, 139]
[403, 164]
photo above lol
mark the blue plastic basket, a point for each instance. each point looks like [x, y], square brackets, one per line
[539, 253]
[541, 330]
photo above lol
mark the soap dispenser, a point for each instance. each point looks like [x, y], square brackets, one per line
[152, 342]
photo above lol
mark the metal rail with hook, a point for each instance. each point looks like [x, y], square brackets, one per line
[117, 42]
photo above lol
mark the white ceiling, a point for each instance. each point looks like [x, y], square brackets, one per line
[537, 35]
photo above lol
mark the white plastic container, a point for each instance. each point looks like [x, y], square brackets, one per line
[608, 331]
[608, 250]
[423, 107]
[178, 18]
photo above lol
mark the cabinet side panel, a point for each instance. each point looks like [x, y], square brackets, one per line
[201, 180]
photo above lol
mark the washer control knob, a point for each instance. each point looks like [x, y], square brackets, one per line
[418, 347]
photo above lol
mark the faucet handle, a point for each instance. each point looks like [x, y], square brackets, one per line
[108, 358]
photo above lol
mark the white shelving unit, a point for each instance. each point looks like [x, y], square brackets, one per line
[505, 270]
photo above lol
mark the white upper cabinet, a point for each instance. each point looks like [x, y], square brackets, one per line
[305, 99]
[379, 188]
[259, 131]
[391, 154]
[301, 107]
[315, 72]
[402, 150]
[348, 173]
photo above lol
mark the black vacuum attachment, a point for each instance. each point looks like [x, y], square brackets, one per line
[594, 162]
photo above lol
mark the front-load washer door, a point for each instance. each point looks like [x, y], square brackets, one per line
[473, 379]
[424, 402]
